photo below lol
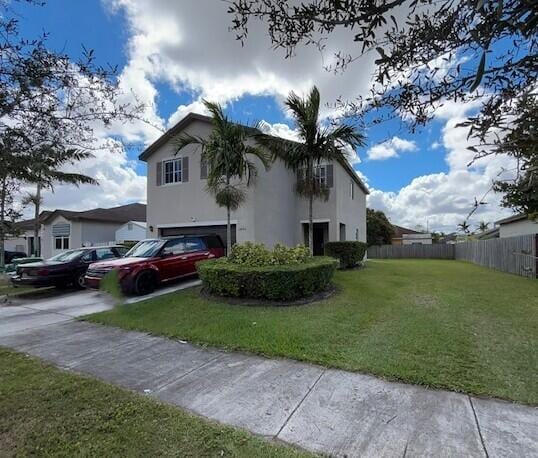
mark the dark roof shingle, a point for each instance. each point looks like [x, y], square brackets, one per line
[121, 214]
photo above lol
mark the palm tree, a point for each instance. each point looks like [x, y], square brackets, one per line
[464, 227]
[483, 226]
[318, 144]
[46, 164]
[229, 161]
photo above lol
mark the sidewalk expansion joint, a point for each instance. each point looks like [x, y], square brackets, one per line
[300, 403]
[478, 427]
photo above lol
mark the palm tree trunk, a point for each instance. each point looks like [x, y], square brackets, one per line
[228, 233]
[2, 222]
[37, 245]
[311, 224]
[310, 180]
[228, 225]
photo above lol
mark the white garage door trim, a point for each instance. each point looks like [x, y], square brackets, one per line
[196, 223]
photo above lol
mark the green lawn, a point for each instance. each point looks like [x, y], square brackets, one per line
[446, 324]
[6, 287]
[47, 412]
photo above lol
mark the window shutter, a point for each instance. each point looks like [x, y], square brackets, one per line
[159, 173]
[330, 179]
[185, 170]
[203, 169]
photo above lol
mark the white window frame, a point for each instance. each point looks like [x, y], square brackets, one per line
[320, 177]
[64, 238]
[176, 168]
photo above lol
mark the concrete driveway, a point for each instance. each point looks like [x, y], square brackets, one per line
[53, 307]
[37, 312]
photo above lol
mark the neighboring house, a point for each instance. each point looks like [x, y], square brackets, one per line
[178, 202]
[517, 225]
[64, 229]
[404, 236]
[23, 238]
[132, 231]
[489, 234]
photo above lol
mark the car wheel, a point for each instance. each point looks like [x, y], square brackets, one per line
[79, 281]
[144, 283]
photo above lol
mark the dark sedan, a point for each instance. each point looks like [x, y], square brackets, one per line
[9, 256]
[67, 268]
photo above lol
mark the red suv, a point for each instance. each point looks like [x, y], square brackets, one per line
[155, 261]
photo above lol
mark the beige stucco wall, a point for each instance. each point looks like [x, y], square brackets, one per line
[272, 212]
[47, 243]
[190, 203]
[98, 233]
[351, 212]
[522, 227]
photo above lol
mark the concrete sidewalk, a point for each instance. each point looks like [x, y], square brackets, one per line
[322, 410]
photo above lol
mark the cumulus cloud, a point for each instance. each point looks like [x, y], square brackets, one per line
[193, 50]
[119, 183]
[442, 200]
[390, 148]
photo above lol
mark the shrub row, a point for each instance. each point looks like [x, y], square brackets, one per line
[349, 253]
[276, 283]
[256, 254]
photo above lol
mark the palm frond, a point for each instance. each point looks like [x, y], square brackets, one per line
[186, 140]
[71, 178]
[228, 195]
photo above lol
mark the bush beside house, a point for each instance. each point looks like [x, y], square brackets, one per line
[349, 253]
[253, 271]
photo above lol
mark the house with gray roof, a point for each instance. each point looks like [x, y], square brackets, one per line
[179, 204]
[516, 225]
[61, 230]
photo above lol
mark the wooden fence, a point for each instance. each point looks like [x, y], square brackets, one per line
[435, 251]
[516, 255]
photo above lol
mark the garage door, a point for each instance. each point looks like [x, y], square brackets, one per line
[199, 230]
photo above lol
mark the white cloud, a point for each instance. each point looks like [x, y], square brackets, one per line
[442, 200]
[189, 45]
[390, 148]
[118, 180]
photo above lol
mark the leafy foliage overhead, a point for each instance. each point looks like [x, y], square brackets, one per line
[476, 52]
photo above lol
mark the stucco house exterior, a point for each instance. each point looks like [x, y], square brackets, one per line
[132, 231]
[178, 202]
[61, 230]
[517, 225]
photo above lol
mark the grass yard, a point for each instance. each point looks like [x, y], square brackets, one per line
[47, 412]
[6, 287]
[445, 324]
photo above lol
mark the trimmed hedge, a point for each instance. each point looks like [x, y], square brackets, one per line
[349, 253]
[275, 283]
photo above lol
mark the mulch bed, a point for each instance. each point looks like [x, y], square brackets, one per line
[251, 302]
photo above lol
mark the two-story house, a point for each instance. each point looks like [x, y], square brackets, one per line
[178, 202]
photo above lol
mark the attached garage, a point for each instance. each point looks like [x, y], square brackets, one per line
[199, 230]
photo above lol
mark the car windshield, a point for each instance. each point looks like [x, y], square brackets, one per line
[67, 255]
[145, 249]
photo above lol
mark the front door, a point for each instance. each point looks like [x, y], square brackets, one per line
[319, 239]
[321, 232]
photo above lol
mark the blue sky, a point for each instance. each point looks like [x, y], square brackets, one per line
[158, 47]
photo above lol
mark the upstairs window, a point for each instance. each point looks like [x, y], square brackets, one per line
[172, 171]
[320, 174]
[351, 190]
